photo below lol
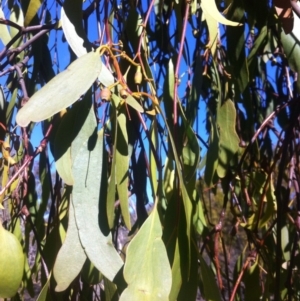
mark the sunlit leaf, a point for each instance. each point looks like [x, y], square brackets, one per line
[11, 263]
[33, 8]
[16, 16]
[71, 256]
[209, 7]
[4, 33]
[71, 21]
[147, 270]
[291, 47]
[62, 91]
[213, 28]
[45, 290]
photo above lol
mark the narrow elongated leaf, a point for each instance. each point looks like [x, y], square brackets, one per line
[71, 21]
[4, 33]
[212, 154]
[87, 170]
[71, 256]
[211, 290]
[16, 16]
[212, 25]
[209, 7]
[291, 47]
[43, 293]
[70, 126]
[147, 270]
[229, 139]
[176, 274]
[122, 165]
[33, 8]
[62, 91]
[131, 101]
[188, 207]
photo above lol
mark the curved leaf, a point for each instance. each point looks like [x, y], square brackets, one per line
[62, 91]
[87, 170]
[147, 270]
[71, 256]
[71, 21]
[70, 126]
[209, 7]
[4, 33]
[211, 290]
[33, 8]
[122, 166]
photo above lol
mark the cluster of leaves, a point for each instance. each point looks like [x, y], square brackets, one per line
[169, 104]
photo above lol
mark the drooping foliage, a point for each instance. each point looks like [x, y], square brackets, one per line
[150, 150]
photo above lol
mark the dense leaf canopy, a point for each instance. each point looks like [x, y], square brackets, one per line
[150, 150]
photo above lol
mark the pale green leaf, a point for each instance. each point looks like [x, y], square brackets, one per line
[4, 33]
[285, 242]
[147, 270]
[64, 167]
[71, 256]
[62, 91]
[209, 7]
[12, 263]
[33, 8]
[87, 171]
[70, 126]
[16, 16]
[105, 77]
[71, 19]
[213, 30]
[131, 101]
[291, 47]
[71, 22]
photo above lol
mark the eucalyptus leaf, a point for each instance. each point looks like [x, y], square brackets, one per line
[147, 270]
[71, 22]
[229, 139]
[87, 173]
[122, 166]
[211, 290]
[62, 91]
[4, 33]
[71, 256]
[32, 10]
[209, 7]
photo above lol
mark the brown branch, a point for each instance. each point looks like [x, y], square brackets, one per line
[239, 279]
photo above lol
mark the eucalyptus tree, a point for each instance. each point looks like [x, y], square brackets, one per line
[172, 128]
